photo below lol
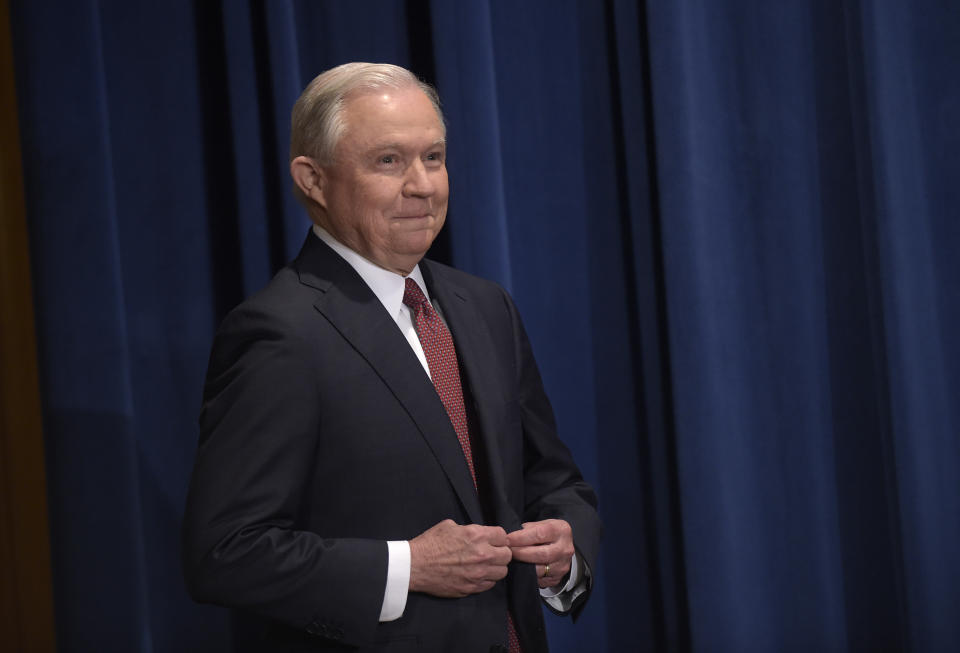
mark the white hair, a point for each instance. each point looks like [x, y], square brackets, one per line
[316, 123]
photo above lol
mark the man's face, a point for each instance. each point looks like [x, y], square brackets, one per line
[386, 194]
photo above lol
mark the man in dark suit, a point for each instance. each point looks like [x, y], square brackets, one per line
[378, 466]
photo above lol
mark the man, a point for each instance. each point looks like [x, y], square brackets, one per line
[378, 465]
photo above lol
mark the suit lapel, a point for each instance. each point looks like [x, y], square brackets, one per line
[477, 358]
[352, 308]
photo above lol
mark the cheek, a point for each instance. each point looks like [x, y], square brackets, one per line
[380, 198]
[362, 188]
[443, 185]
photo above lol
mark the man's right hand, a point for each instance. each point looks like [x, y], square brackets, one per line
[453, 561]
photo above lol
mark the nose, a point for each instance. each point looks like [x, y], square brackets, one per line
[418, 182]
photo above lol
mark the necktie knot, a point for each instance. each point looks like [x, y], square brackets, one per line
[413, 296]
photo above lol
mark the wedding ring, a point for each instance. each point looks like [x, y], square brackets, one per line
[546, 570]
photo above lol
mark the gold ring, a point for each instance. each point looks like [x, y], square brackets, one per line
[546, 570]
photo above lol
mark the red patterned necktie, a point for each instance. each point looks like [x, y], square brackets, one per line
[441, 358]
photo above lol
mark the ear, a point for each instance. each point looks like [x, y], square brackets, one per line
[309, 178]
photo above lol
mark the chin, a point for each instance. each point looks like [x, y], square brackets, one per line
[417, 250]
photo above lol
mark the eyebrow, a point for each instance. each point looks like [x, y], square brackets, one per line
[399, 146]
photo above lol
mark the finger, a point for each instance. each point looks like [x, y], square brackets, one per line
[548, 582]
[472, 587]
[481, 580]
[552, 574]
[495, 573]
[541, 554]
[501, 555]
[489, 534]
[544, 525]
[557, 570]
[530, 535]
[496, 536]
[544, 579]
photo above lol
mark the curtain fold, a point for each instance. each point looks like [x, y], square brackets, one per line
[909, 131]
[467, 77]
[730, 228]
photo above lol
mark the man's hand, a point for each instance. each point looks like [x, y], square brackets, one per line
[453, 561]
[549, 545]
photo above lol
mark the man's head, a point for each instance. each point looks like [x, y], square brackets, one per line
[367, 156]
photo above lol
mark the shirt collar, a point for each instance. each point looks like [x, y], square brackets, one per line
[386, 285]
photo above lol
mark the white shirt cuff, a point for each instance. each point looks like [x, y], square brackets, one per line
[561, 598]
[398, 580]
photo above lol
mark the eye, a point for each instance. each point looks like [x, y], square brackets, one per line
[434, 156]
[388, 159]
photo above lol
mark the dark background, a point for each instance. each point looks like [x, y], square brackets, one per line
[732, 229]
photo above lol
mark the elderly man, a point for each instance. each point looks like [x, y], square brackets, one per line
[378, 466]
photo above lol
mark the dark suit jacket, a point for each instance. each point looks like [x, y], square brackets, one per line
[321, 438]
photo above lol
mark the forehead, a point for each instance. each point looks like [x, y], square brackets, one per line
[390, 114]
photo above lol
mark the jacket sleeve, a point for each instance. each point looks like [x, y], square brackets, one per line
[259, 432]
[553, 485]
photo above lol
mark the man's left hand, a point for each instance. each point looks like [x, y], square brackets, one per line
[548, 544]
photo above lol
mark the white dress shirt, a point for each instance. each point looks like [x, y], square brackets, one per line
[389, 288]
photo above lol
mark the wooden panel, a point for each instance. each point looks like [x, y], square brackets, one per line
[26, 607]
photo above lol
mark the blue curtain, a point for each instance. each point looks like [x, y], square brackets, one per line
[732, 228]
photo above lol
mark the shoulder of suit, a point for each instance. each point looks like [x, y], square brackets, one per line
[282, 299]
[447, 274]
